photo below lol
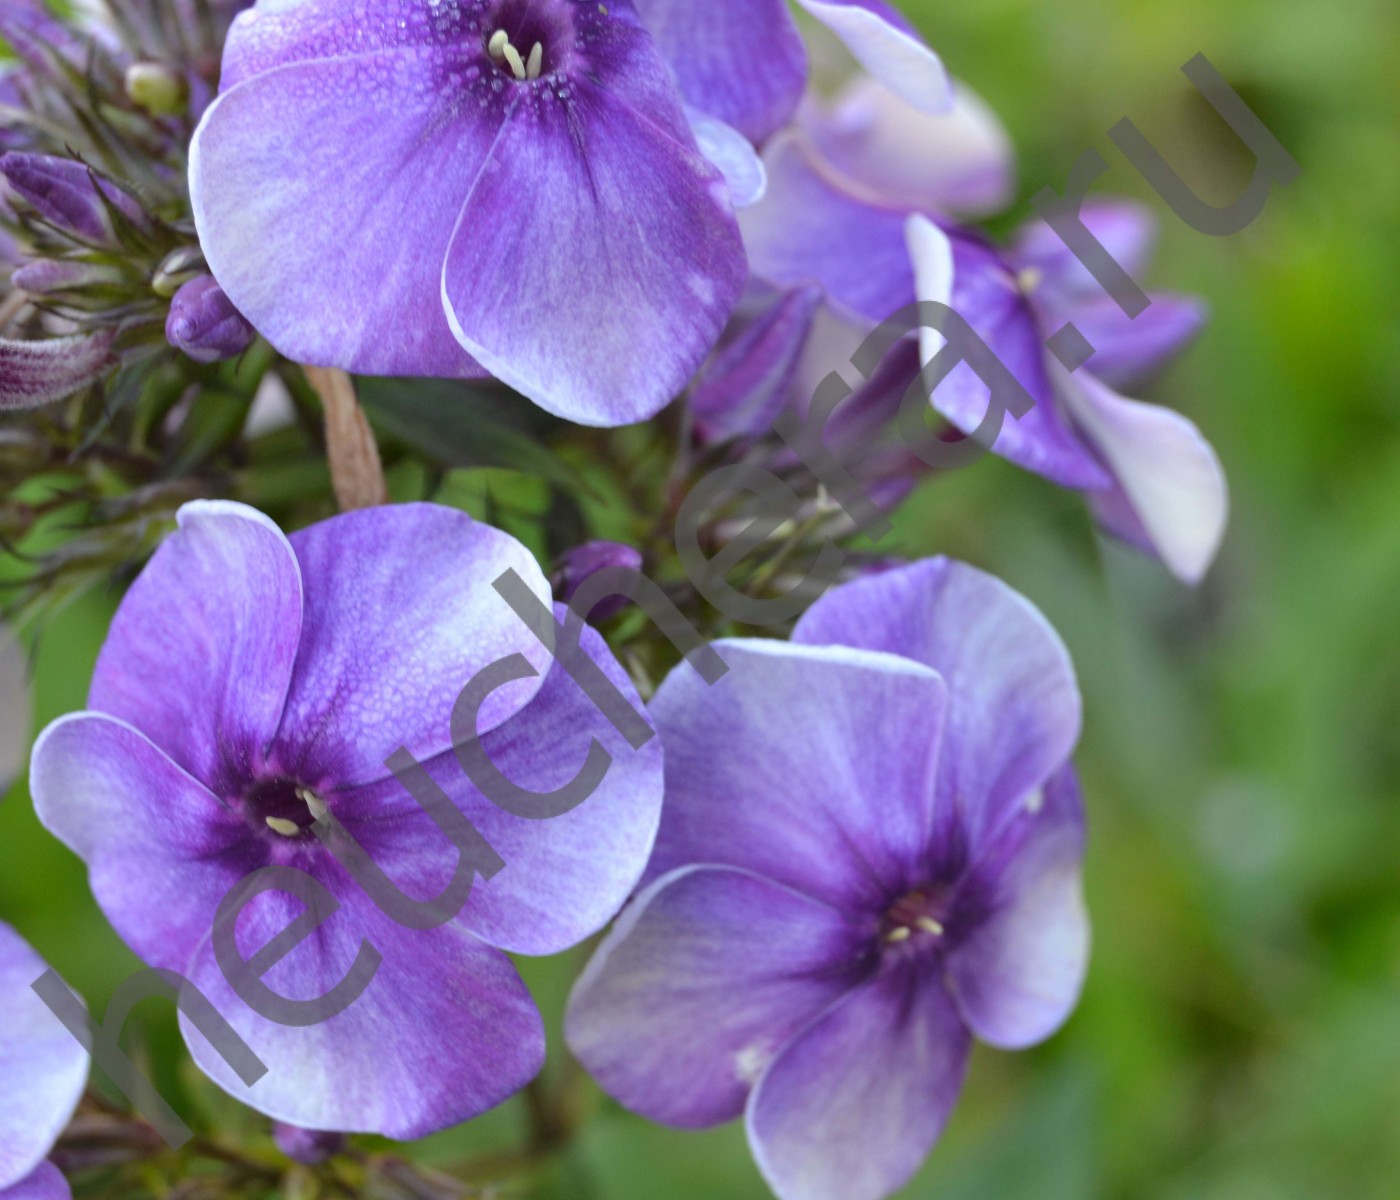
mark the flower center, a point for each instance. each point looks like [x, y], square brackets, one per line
[283, 806]
[504, 54]
[916, 917]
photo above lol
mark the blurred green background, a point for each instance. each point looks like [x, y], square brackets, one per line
[1240, 1035]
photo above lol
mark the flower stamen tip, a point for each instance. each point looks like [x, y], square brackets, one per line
[283, 826]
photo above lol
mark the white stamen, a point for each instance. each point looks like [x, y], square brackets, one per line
[1030, 279]
[536, 62]
[313, 802]
[284, 827]
[498, 43]
[517, 64]
[1035, 802]
[929, 925]
[902, 934]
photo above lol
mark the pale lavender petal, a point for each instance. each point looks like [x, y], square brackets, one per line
[733, 154]
[889, 48]
[706, 977]
[961, 162]
[594, 271]
[200, 653]
[989, 298]
[444, 1031]
[44, 1067]
[744, 388]
[45, 1182]
[1167, 473]
[564, 877]
[1128, 350]
[808, 229]
[1017, 975]
[161, 850]
[742, 61]
[1014, 711]
[400, 615]
[811, 766]
[325, 195]
[33, 374]
[1127, 230]
[851, 1109]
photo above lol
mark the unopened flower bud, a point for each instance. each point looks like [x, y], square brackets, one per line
[69, 195]
[309, 1146]
[179, 267]
[204, 324]
[583, 562]
[45, 276]
[158, 89]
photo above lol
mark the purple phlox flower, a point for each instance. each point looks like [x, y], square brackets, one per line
[253, 681]
[71, 197]
[744, 61]
[43, 1071]
[870, 854]
[960, 162]
[1150, 475]
[409, 187]
[204, 324]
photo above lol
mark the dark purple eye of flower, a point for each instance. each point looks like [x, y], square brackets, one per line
[917, 918]
[281, 806]
[531, 41]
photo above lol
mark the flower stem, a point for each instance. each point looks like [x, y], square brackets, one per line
[356, 471]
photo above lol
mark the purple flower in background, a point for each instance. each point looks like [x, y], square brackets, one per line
[581, 563]
[870, 853]
[43, 1071]
[1151, 477]
[743, 61]
[253, 680]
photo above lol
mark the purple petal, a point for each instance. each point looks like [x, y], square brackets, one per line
[69, 195]
[205, 325]
[707, 976]
[1169, 482]
[597, 258]
[1013, 714]
[580, 564]
[745, 387]
[851, 1109]
[200, 654]
[44, 1067]
[742, 61]
[565, 877]
[808, 229]
[810, 766]
[37, 373]
[46, 1182]
[733, 154]
[400, 615]
[444, 1031]
[1127, 350]
[326, 193]
[990, 299]
[961, 162]
[889, 48]
[1128, 231]
[162, 851]
[1017, 976]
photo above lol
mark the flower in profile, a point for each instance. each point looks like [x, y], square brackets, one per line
[1151, 477]
[870, 853]
[43, 1070]
[253, 684]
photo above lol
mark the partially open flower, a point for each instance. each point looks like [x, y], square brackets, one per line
[204, 324]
